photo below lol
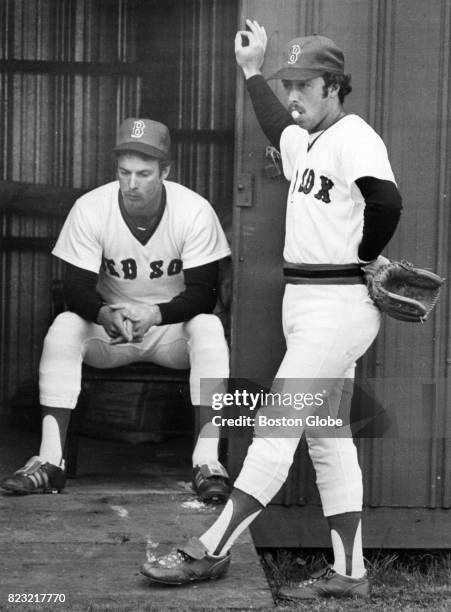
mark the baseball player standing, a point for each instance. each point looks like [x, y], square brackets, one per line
[342, 209]
[142, 257]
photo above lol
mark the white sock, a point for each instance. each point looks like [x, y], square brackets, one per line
[211, 537]
[206, 449]
[50, 450]
[358, 564]
[239, 512]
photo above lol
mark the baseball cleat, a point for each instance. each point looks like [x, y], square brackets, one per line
[36, 477]
[327, 583]
[188, 563]
[211, 483]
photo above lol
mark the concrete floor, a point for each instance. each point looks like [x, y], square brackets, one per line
[88, 542]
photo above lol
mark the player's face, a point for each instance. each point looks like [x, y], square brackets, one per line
[141, 182]
[317, 109]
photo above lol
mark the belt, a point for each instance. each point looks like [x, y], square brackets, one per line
[323, 274]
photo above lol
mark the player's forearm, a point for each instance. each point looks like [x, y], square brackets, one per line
[80, 293]
[199, 297]
[272, 116]
[190, 303]
[381, 216]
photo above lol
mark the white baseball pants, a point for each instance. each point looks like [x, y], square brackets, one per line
[327, 328]
[198, 344]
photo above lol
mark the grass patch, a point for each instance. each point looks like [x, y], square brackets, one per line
[401, 580]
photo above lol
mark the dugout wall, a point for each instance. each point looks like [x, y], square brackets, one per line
[398, 53]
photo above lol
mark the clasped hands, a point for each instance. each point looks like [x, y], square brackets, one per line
[127, 321]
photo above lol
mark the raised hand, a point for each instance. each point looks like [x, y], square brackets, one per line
[250, 47]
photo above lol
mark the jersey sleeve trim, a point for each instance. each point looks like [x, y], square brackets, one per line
[74, 261]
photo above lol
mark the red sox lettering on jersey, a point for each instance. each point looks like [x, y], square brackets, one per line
[128, 268]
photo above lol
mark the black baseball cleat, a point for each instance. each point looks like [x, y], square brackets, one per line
[188, 563]
[211, 483]
[36, 477]
[327, 583]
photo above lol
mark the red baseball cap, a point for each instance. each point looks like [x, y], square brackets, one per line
[144, 136]
[310, 57]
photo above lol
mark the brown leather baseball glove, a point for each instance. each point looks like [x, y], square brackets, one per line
[403, 291]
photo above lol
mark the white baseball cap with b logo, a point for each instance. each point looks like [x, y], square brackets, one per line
[144, 136]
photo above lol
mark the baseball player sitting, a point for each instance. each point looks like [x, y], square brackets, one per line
[142, 256]
[343, 207]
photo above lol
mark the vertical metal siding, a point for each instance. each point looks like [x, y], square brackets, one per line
[207, 99]
[207, 65]
[58, 128]
[61, 126]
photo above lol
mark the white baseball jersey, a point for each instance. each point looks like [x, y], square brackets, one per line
[96, 237]
[325, 207]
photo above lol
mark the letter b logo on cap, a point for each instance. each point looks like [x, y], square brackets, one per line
[138, 129]
[144, 136]
[294, 54]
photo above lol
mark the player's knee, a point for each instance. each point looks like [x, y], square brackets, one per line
[60, 364]
[206, 326]
[208, 351]
[68, 319]
[67, 328]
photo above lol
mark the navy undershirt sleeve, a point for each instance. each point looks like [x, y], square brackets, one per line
[80, 292]
[383, 207]
[198, 297]
[272, 115]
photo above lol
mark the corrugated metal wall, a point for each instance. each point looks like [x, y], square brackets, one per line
[59, 118]
[64, 89]
[190, 86]
[207, 98]
[70, 72]
[398, 52]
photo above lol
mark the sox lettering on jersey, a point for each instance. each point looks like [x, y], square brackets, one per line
[308, 182]
[326, 186]
[174, 267]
